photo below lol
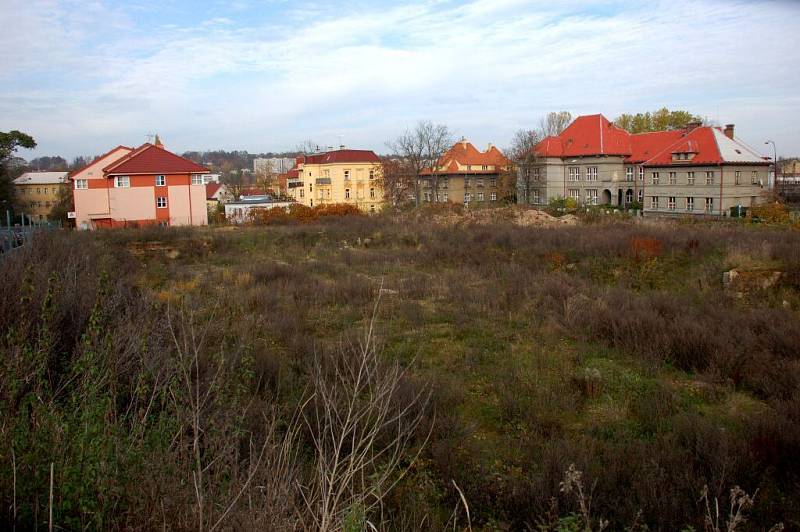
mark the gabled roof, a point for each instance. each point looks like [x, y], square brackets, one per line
[150, 159]
[212, 189]
[41, 178]
[342, 156]
[646, 145]
[99, 158]
[464, 153]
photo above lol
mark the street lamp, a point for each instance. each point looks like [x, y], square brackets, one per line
[774, 163]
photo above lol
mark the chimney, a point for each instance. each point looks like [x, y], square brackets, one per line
[490, 146]
[341, 146]
[692, 125]
[729, 131]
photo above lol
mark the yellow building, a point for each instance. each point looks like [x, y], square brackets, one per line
[37, 192]
[338, 176]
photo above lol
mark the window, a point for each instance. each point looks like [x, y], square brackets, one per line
[641, 195]
[641, 173]
[591, 196]
[536, 174]
[690, 178]
[671, 203]
[467, 197]
[575, 193]
[301, 193]
[45, 191]
[591, 173]
[484, 167]
[320, 194]
[480, 196]
[690, 204]
[328, 194]
[754, 177]
[197, 179]
[493, 182]
[709, 204]
[372, 193]
[38, 190]
[122, 181]
[347, 193]
[372, 174]
[737, 177]
[161, 202]
[466, 182]
[47, 204]
[444, 196]
[535, 197]
[655, 178]
[673, 178]
[81, 184]
[427, 196]
[629, 173]
[445, 181]
[55, 191]
[709, 178]
[574, 173]
[310, 187]
[654, 202]
[161, 180]
[494, 196]
[347, 175]
[469, 167]
[479, 182]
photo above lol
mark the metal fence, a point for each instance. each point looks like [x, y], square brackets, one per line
[19, 229]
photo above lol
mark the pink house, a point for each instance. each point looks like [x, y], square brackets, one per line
[146, 185]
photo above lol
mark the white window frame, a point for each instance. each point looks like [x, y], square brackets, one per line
[709, 206]
[493, 197]
[161, 202]
[641, 174]
[575, 193]
[372, 193]
[754, 177]
[574, 173]
[347, 193]
[671, 203]
[655, 177]
[654, 202]
[535, 197]
[690, 178]
[629, 173]
[467, 197]
[690, 204]
[673, 178]
[591, 196]
[81, 184]
[710, 177]
[347, 175]
[480, 196]
[197, 179]
[161, 180]
[122, 181]
[737, 177]
[591, 173]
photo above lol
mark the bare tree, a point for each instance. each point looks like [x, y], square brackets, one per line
[268, 180]
[421, 149]
[307, 147]
[554, 123]
[361, 425]
[524, 157]
[233, 180]
[395, 180]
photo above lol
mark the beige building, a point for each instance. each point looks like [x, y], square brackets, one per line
[37, 192]
[466, 175]
[697, 170]
[338, 176]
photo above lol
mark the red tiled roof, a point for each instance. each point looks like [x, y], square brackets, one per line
[150, 159]
[699, 141]
[644, 146]
[211, 189]
[342, 156]
[463, 153]
[595, 135]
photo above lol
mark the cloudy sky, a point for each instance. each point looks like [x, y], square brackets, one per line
[82, 76]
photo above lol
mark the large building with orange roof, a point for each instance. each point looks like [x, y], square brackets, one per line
[128, 187]
[696, 170]
[464, 174]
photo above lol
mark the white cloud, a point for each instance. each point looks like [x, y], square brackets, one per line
[485, 67]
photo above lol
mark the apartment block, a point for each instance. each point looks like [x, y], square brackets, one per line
[38, 192]
[146, 185]
[338, 176]
[465, 175]
[696, 170]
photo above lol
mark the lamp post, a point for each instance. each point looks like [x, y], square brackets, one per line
[774, 162]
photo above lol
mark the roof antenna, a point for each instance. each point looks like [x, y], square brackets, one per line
[150, 137]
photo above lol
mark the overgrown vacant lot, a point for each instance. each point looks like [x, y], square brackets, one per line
[165, 373]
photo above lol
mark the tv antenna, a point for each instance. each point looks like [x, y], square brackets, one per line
[150, 137]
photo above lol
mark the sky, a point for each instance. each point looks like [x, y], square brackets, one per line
[82, 76]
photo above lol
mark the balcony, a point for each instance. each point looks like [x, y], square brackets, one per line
[323, 181]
